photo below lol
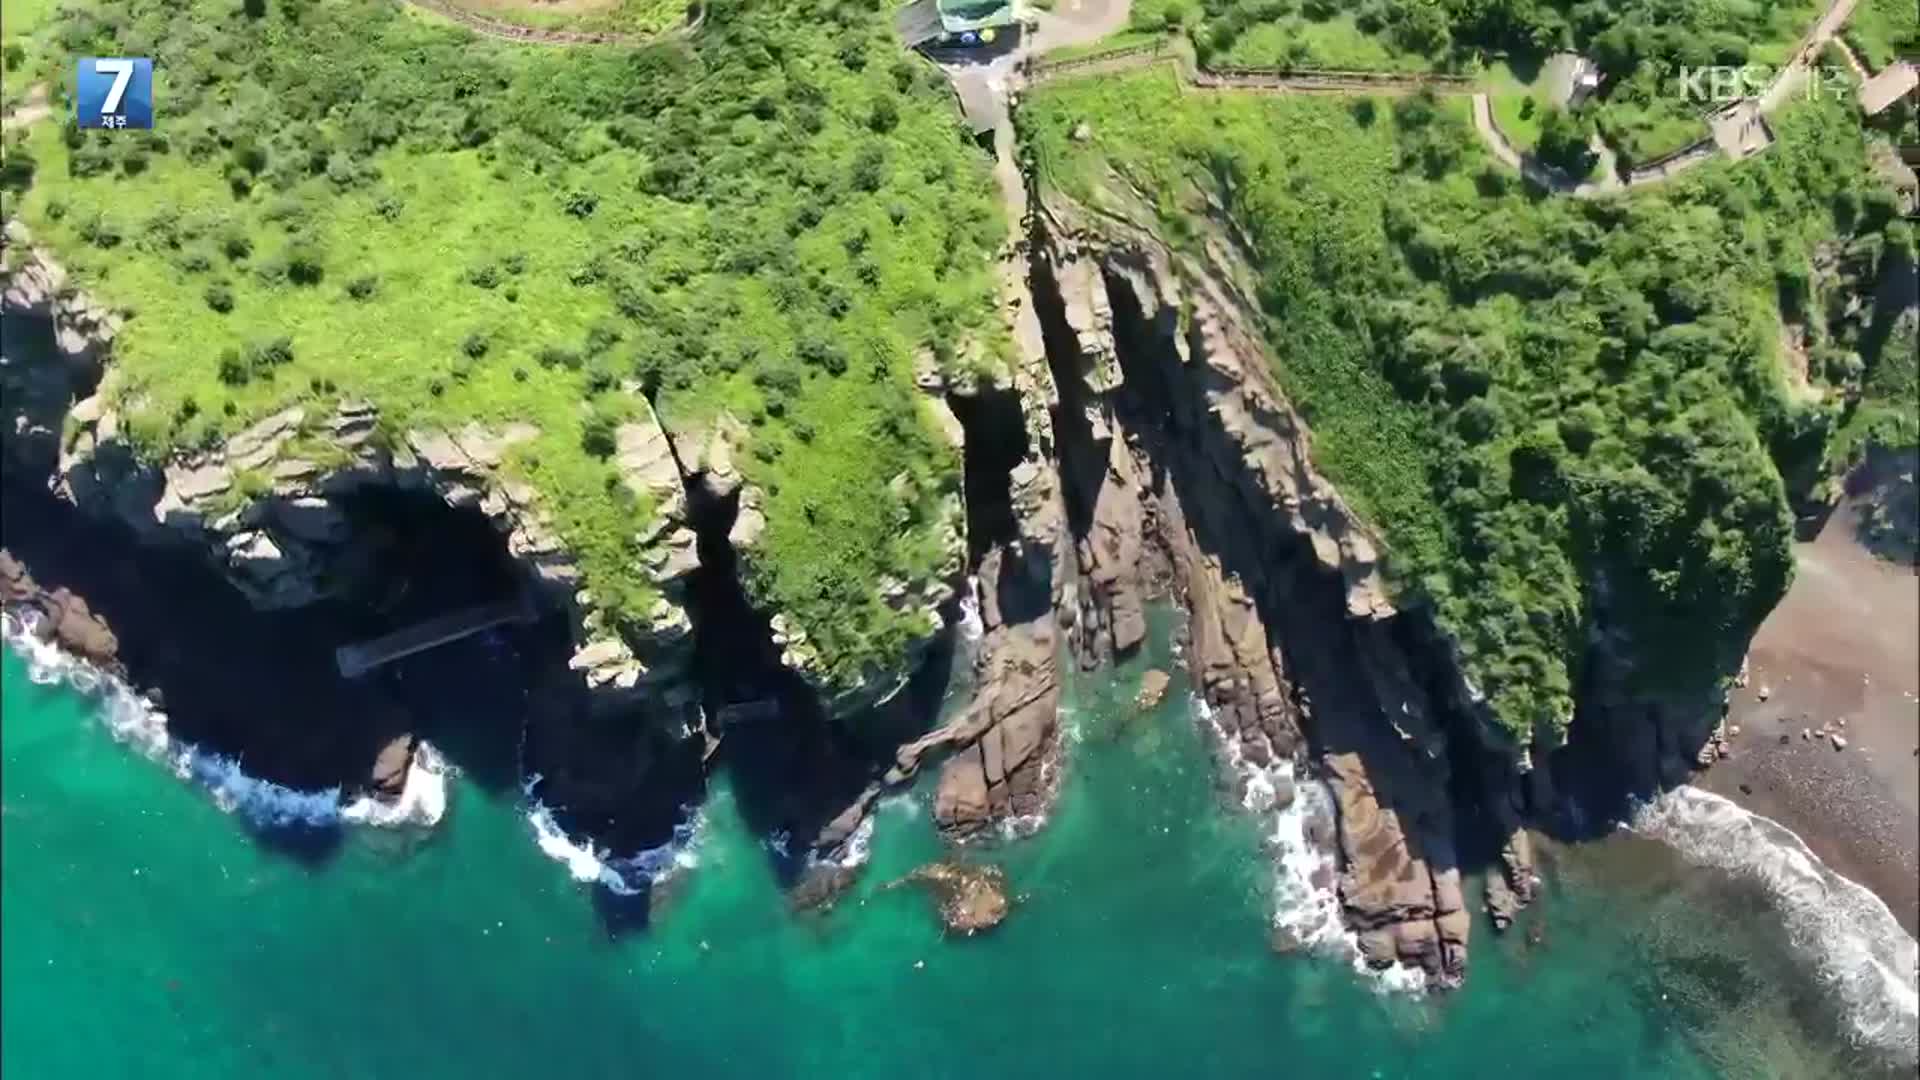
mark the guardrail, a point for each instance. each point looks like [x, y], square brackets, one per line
[1241, 77]
[1672, 162]
[1044, 68]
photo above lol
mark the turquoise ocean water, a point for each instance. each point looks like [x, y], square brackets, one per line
[146, 934]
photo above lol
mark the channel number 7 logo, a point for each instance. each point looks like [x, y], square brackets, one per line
[114, 92]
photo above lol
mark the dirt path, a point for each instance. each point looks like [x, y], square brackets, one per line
[32, 109]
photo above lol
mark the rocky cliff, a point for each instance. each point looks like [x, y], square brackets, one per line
[1137, 449]
[266, 505]
[1187, 474]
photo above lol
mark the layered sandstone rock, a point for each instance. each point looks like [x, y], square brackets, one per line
[1172, 431]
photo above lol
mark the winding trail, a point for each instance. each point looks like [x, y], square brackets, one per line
[1736, 131]
[32, 109]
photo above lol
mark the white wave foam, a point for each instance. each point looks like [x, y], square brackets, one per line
[971, 628]
[623, 875]
[423, 801]
[1306, 903]
[134, 721]
[1844, 930]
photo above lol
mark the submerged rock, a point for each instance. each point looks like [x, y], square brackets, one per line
[1153, 689]
[971, 898]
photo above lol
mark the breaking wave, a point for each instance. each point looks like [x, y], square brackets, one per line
[422, 802]
[971, 628]
[1306, 910]
[1848, 934]
[629, 875]
[135, 721]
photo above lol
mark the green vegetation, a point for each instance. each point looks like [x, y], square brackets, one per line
[1563, 414]
[608, 16]
[1882, 31]
[1337, 43]
[19, 57]
[345, 201]
[1518, 103]
[1640, 45]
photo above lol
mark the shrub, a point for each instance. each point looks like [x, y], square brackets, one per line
[558, 356]
[304, 265]
[234, 371]
[91, 159]
[869, 169]
[219, 297]
[250, 156]
[599, 435]
[101, 232]
[236, 245]
[274, 353]
[363, 287]
[475, 345]
[1563, 142]
[16, 170]
[485, 276]
[820, 352]
[580, 203]
[602, 336]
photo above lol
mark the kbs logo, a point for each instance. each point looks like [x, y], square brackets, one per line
[1723, 84]
[114, 92]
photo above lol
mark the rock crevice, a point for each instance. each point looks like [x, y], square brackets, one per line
[1188, 475]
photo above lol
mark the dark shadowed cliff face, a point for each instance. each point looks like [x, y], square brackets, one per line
[1178, 464]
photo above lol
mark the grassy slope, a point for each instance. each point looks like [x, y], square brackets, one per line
[616, 16]
[1330, 43]
[19, 19]
[1524, 394]
[753, 244]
